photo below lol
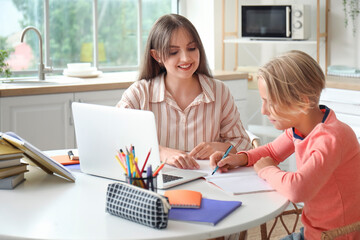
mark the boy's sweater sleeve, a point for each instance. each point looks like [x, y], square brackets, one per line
[315, 169]
[280, 149]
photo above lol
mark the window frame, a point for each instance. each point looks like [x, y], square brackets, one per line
[95, 63]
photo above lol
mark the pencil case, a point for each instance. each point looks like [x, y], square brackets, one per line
[138, 205]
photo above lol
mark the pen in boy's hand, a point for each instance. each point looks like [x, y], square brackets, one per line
[225, 155]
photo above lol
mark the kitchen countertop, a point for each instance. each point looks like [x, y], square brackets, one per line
[122, 80]
[349, 83]
[106, 81]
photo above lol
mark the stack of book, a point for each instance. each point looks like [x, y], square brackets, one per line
[34, 156]
[11, 168]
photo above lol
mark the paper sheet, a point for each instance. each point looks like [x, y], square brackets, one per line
[237, 181]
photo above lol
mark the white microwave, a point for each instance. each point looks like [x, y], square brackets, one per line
[275, 21]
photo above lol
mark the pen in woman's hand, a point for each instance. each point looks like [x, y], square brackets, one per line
[225, 155]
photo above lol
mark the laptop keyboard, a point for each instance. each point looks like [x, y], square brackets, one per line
[169, 178]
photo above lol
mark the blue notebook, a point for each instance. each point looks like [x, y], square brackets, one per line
[211, 211]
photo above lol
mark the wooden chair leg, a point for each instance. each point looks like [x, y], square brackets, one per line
[263, 232]
[243, 235]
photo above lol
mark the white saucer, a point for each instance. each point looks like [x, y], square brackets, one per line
[80, 71]
[85, 74]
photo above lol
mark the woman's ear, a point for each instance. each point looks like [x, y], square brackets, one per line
[155, 55]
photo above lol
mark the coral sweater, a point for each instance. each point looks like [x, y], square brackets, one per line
[327, 179]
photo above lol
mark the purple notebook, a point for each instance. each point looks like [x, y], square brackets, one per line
[211, 211]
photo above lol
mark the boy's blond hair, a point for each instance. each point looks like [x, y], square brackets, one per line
[294, 82]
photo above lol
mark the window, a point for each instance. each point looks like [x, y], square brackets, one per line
[68, 32]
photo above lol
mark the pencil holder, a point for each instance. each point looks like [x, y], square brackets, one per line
[147, 181]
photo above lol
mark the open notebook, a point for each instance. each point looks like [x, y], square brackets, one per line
[237, 181]
[101, 130]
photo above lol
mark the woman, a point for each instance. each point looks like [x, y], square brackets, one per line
[195, 114]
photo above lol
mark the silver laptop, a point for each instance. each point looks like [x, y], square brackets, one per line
[102, 130]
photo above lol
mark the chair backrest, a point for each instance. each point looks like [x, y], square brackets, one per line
[255, 140]
[341, 231]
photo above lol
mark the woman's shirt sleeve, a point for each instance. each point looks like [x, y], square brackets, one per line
[131, 98]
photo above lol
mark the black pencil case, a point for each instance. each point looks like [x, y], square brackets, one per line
[137, 205]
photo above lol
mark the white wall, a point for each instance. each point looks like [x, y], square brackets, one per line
[202, 14]
[344, 48]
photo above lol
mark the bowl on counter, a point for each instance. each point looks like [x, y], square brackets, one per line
[81, 70]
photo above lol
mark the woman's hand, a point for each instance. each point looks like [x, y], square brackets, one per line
[205, 149]
[178, 158]
[264, 162]
[231, 161]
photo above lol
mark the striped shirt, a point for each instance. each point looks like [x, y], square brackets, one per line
[211, 117]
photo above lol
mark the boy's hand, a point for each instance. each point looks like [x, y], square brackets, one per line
[231, 161]
[264, 162]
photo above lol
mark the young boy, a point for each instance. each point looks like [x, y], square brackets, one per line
[327, 151]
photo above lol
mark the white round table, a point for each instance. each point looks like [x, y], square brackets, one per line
[49, 207]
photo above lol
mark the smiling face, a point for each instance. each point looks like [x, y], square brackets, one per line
[183, 58]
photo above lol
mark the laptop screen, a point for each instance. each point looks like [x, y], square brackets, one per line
[101, 131]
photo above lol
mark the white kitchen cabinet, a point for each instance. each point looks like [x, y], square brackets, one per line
[346, 104]
[238, 89]
[46, 120]
[42, 120]
[106, 97]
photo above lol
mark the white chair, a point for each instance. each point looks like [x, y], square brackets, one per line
[255, 140]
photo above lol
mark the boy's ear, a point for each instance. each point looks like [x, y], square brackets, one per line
[308, 102]
[155, 55]
[305, 99]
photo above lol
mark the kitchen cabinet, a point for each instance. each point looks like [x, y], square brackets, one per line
[46, 120]
[346, 104]
[108, 97]
[238, 89]
[42, 114]
[42, 120]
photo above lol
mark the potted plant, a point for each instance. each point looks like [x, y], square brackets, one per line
[351, 10]
[4, 66]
